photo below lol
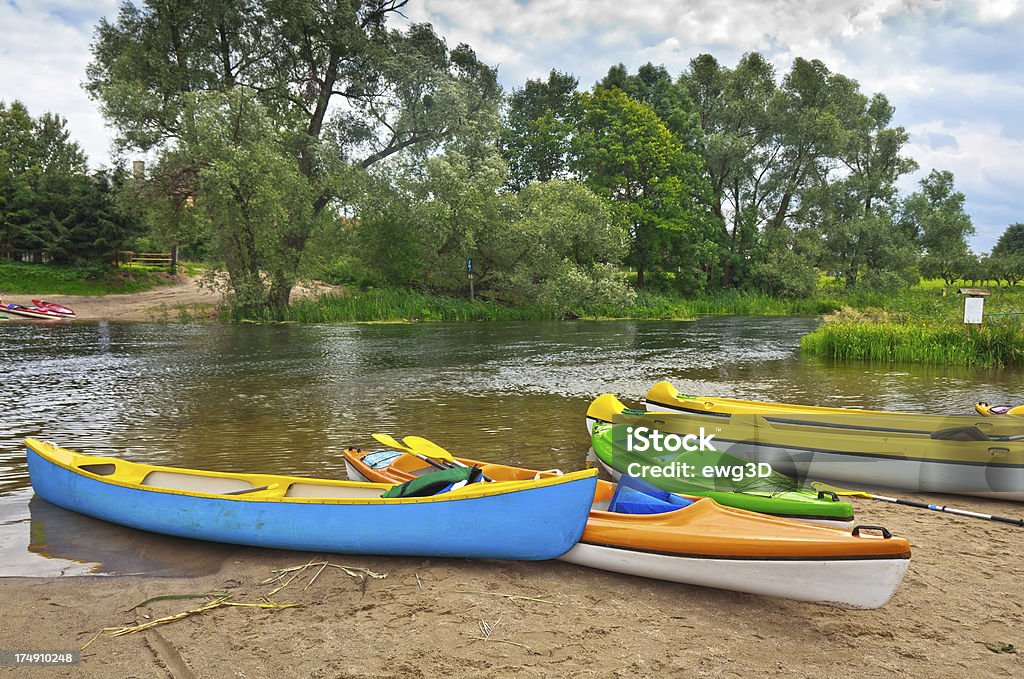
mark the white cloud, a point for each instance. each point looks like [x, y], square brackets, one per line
[986, 164]
[43, 55]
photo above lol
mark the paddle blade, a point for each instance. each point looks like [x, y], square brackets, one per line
[818, 485]
[427, 448]
[390, 442]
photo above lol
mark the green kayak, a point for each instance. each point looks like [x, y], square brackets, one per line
[622, 448]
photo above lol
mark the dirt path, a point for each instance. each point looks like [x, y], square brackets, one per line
[163, 303]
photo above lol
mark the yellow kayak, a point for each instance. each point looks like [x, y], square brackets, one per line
[925, 453]
[663, 397]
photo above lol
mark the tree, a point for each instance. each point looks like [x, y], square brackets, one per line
[652, 85]
[537, 134]
[50, 207]
[1011, 241]
[343, 91]
[936, 215]
[625, 154]
[732, 109]
[1006, 266]
[561, 250]
[249, 185]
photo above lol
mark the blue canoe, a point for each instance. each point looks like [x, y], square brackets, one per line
[530, 520]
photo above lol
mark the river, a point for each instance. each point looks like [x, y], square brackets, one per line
[288, 398]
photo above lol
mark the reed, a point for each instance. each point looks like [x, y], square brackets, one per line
[393, 304]
[995, 344]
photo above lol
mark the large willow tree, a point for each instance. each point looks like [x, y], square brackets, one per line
[306, 94]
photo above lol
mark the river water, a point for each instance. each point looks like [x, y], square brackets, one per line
[289, 398]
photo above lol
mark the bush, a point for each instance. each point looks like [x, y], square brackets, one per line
[887, 280]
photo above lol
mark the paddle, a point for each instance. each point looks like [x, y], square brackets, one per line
[390, 442]
[818, 485]
[430, 449]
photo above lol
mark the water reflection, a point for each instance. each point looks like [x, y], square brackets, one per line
[289, 398]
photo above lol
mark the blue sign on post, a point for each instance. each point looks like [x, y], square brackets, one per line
[469, 266]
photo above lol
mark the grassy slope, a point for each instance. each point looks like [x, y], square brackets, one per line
[47, 279]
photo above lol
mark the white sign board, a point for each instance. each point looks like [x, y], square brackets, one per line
[973, 309]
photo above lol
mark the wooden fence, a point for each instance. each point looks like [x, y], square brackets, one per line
[167, 259]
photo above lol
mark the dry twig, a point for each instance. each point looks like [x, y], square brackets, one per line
[513, 597]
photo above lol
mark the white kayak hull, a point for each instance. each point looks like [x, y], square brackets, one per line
[856, 583]
[923, 476]
[353, 473]
[27, 312]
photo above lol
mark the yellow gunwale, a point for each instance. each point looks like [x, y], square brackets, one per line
[130, 475]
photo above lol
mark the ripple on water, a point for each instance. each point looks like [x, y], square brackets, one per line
[289, 398]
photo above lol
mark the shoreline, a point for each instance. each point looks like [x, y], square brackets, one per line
[424, 618]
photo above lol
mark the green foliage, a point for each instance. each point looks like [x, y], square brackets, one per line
[784, 273]
[628, 156]
[1004, 265]
[253, 190]
[396, 304]
[886, 280]
[53, 279]
[537, 134]
[561, 250]
[652, 85]
[50, 208]
[321, 92]
[936, 215]
[1011, 241]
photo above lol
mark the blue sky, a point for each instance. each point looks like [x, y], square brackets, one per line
[954, 70]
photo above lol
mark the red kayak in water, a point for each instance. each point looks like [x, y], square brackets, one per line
[59, 308]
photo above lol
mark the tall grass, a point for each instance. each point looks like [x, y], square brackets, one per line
[995, 344]
[394, 304]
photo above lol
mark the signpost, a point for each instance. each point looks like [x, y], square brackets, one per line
[469, 273]
[974, 304]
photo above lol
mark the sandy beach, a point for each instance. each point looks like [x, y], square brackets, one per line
[962, 591]
[165, 303]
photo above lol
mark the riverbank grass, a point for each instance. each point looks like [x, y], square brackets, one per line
[391, 305]
[17, 278]
[881, 338]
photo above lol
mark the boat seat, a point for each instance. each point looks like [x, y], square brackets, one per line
[103, 469]
[194, 482]
[969, 433]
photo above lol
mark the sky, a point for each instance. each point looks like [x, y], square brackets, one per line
[953, 69]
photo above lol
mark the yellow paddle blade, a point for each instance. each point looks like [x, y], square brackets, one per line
[818, 485]
[390, 442]
[427, 448]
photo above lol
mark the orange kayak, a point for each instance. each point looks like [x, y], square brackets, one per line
[705, 543]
